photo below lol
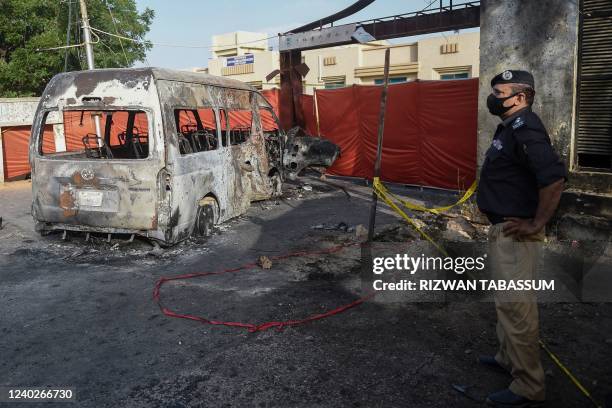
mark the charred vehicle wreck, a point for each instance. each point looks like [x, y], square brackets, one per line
[157, 153]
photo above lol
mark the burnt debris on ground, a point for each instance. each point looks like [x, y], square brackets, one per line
[86, 319]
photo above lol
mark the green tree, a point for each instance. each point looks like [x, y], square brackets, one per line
[28, 27]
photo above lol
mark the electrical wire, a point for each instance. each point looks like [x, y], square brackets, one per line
[115, 55]
[146, 42]
[62, 47]
[117, 32]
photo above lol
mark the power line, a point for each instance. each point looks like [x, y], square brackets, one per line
[61, 47]
[175, 45]
[117, 32]
[115, 55]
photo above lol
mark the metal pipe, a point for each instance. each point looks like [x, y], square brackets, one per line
[90, 61]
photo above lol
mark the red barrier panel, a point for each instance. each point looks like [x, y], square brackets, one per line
[429, 138]
[310, 119]
[15, 148]
[272, 95]
[267, 121]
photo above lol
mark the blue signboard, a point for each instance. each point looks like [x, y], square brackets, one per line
[240, 60]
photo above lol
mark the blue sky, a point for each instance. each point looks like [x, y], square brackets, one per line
[194, 22]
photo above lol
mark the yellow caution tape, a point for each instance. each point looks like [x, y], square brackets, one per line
[436, 210]
[567, 372]
[384, 196]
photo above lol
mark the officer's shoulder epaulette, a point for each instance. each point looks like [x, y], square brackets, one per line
[528, 120]
[518, 122]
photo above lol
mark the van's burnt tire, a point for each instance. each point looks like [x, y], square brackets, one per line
[205, 220]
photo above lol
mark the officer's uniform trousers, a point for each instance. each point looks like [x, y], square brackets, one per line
[517, 311]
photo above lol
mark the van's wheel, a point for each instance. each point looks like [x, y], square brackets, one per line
[206, 217]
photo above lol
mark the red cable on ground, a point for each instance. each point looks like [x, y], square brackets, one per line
[250, 326]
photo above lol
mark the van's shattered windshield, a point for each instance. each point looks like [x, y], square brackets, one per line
[95, 134]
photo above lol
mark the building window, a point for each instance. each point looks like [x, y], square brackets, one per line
[458, 75]
[238, 70]
[329, 61]
[334, 85]
[449, 48]
[593, 138]
[334, 81]
[394, 80]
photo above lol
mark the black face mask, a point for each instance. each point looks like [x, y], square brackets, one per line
[496, 105]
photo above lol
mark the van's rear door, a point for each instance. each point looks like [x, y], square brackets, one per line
[114, 187]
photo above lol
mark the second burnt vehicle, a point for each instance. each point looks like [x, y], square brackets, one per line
[158, 153]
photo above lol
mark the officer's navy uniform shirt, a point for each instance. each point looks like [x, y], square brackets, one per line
[519, 162]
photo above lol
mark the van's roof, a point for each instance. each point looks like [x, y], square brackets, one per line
[159, 74]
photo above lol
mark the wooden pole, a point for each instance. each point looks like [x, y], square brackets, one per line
[381, 129]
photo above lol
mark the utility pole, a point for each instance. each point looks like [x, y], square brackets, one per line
[90, 61]
[87, 35]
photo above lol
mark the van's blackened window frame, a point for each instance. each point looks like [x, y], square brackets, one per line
[201, 138]
[239, 134]
[132, 144]
[235, 135]
[235, 102]
[224, 124]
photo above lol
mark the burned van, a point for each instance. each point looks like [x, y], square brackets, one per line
[157, 153]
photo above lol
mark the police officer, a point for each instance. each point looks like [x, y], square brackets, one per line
[521, 182]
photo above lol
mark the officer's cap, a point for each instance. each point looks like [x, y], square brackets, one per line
[513, 77]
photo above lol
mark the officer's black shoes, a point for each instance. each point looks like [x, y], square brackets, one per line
[491, 362]
[506, 398]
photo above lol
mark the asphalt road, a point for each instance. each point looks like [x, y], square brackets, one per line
[82, 315]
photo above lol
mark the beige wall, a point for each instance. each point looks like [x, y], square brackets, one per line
[346, 59]
[432, 62]
[265, 62]
[238, 43]
[403, 63]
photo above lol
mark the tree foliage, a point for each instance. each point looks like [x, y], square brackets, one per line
[27, 27]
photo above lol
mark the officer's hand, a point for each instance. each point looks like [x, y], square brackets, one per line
[520, 227]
